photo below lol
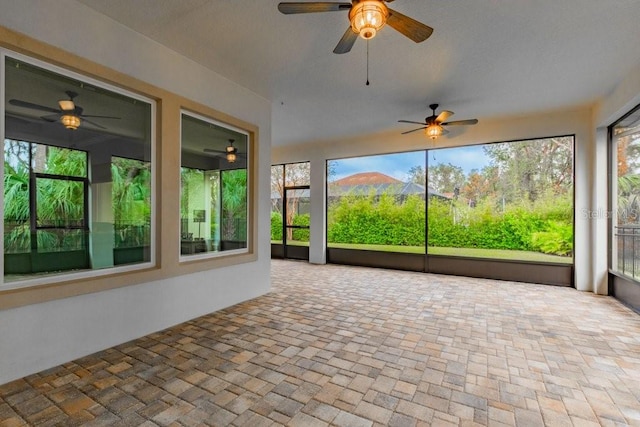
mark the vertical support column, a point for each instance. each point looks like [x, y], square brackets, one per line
[318, 227]
[206, 234]
[584, 207]
[601, 221]
[102, 239]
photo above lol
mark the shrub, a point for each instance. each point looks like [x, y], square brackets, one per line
[521, 225]
[300, 234]
[276, 226]
[382, 220]
[556, 240]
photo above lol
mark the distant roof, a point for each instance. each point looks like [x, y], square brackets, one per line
[376, 183]
[367, 183]
[366, 178]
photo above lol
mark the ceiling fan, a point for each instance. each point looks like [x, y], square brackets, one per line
[367, 17]
[230, 152]
[433, 125]
[69, 114]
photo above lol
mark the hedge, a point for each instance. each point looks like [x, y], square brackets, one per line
[546, 226]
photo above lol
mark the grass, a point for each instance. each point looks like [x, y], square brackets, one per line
[463, 252]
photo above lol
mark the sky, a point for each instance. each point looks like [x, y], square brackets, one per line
[398, 165]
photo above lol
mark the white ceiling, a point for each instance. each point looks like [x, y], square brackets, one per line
[486, 58]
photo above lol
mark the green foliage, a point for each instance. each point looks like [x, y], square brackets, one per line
[487, 227]
[131, 195]
[545, 226]
[557, 239]
[131, 191]
[301, 234]
[377, 220]
[443, 177]
[60, 202]
[234, 204]
[276, 226]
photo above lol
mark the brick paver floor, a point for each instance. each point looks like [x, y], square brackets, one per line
[348, 346]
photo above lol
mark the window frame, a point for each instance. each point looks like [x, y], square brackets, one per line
[187, 258]
[613, 208]
[571, 264]
[54, 278]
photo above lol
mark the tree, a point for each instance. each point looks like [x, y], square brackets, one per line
[628, 191]
[234, 204]
[131, 201]
[445, 177]
[479, 186]
[416, 175]
[527, 169]
[131, 191]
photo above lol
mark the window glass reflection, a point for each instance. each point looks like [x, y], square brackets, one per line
[214, 188]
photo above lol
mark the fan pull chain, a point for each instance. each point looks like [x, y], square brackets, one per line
[367, 62]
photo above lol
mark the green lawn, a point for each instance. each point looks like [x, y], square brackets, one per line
[465, 252]
[501, 254]
[290, 243]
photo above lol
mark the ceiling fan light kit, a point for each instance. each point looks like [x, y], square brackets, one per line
[70, 115]
[433, 125]
[70, 121]
[367, 17]
[231, 152]
[433, 131]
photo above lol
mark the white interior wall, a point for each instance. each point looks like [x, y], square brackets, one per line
[578, 122]
[39, 336]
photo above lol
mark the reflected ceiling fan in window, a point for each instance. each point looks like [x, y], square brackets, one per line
[367, 17]
[68, 113]
[230, 152]
[433, 125]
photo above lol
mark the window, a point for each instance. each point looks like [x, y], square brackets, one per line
[291, 204]
[510, 200]
[277, 193]
[213, 198]
[77, 174]
[377, 202]
[625, 182]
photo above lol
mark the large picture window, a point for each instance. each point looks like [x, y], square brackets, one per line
[508, 200]
[625, 182]
[213, 198]
[77, 173]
